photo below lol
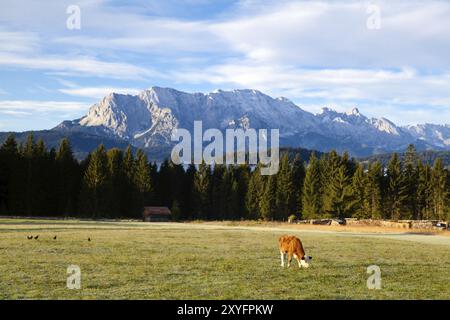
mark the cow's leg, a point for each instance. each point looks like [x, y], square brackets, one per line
[282, 258]
[289, 259]
[298, 260]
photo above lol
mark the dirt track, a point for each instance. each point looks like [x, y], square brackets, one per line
[422, 238]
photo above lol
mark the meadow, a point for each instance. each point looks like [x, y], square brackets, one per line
[136, 260]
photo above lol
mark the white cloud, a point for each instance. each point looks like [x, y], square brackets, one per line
[311, 52]
[98, 92]
[334, 34]
[21, 107]
[18, 41]
[77, 65]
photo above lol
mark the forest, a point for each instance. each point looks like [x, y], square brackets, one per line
[36, 181]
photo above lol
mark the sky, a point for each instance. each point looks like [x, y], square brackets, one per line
[388, 58]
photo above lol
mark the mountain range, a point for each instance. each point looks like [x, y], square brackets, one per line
[146, 121]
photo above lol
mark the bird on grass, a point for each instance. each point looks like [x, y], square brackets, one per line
[54, 238]
[89, 239]
[29, 237]
[36, 237]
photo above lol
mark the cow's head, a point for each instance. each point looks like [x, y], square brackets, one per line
[306, 261]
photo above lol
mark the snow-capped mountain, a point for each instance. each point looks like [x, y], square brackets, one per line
[147, 120]
[434, 134]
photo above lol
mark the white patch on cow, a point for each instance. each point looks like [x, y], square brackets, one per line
[282, 258]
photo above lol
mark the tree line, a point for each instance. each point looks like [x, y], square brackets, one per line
[35, 181]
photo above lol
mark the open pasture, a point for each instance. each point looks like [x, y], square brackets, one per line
[135, 260]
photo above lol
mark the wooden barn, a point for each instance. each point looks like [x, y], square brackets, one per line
[156, 214]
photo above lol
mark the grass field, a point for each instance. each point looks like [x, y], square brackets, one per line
[135, 260]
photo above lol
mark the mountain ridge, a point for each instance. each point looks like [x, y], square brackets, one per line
[146, 121]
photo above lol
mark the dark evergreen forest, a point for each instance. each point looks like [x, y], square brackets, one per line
[36, 181]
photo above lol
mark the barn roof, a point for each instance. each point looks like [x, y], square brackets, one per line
[156, 211]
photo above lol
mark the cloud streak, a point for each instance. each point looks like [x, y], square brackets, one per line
[98, 92]
[315, 53]
[18, 107]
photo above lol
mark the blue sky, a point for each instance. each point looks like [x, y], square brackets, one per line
[318, 54]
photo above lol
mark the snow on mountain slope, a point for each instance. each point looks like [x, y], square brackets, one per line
[438, 135]
[147, 120]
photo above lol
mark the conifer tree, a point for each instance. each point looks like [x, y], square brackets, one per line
[339, 202]
[96, 184]
[373, 192]
[269, 199]
[298, 175]
[254, 194]
[411, 181]
[285, 195]
[312, 200]
[10, 181]
[359, 192]
[117, 181]
[440, 192]
[142, 179]
[241, 177]
[175, 211]
[188, 196]
[130, 196]
[424, 191]
[218, 196]
[68, 179]
[330, 165]
[202, 187]
[397, 192]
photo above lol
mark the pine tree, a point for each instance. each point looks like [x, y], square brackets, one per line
[233, 203]
[241, 177]
[202, 187]
[397, 193]
[68, 179]
[10, 166]
[339, 199]
[188, 197]
[269, 200]
[424, 191]
[164, 196]
[117, 181]
[254, 194]
[298, 174]
[130, 196]
[411, 181]
[330, 165]
[312, 200]
[218, 197]
[96, 184]
[28, 153]
[175, 211]
[359, 192]
[229, 198]
[440, 191]
[375, 176]
[142, 179]
[411, 156]
[285, 194]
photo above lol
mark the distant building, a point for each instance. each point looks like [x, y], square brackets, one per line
[156, 214]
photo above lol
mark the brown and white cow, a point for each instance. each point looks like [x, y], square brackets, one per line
[292, 246]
